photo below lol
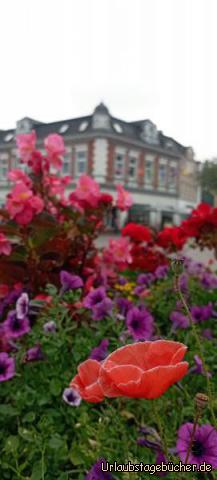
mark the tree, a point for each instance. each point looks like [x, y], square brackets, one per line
[208, 176]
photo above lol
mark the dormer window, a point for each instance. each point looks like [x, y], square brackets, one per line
[150, 133]
[101, 117]
[24, 126]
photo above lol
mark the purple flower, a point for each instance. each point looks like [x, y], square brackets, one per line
[140, 323]
[183, 282]
[22, 306]
[7, 367]
[207, 333]
[69, 281]
[49, 327]
[96, 472]
[160, 457]
[34, 354]
[200, 314]
[161, 272]
[122, 281]
[9, 299]
[123, 305]
[208, 281]
[100, 352]
[145, 279]
[101, 309]
[204, 447]
[179, 320]
[194, 268]
[71, 397]
[15, 327]
[198, 367]
[95, 297]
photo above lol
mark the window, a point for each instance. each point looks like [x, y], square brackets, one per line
[117, 127]
[81, 162]
[132, 169]
[3, 166]
[149, 171]
[64, 128]
[162, 176]
[172, 177]
[66, 164]
[83, 126]
[119, 165]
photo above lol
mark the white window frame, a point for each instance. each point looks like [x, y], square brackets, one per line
[4, 166]
[67, 161]
[134, 159]
[149, 160]
[119, 159]
[80, 150]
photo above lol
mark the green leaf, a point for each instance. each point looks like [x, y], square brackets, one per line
[56, 442]
[55, 387]
[12, 443]
[76, 456]
[28, 435]
[37, 471]
[8, 410]
[29, 417]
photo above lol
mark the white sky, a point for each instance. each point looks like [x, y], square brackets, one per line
[152, 59]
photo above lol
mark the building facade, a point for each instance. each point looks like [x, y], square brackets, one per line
[160, 172]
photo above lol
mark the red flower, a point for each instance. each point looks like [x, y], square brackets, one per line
[147, 259]
[137, 232]
[172, 238]
[143, 369]
[87, 381]
[106, 198]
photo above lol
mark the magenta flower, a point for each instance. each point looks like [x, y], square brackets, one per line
[72, 397]
[124, 199]
[179, 320]
[22, 306]
[23, 205]
[5, 245]
[161, 272]
[101, 309]
[123, 305]
[7, 367]
[202, 313]
[69, 281]
[54, 145]
[15, 327]
[100, 353]
[34, 354]
[26, 145]
[198, 367]
[204, 447]
[140, 323]
[96, 472]
[94, 297]
[208, 281]
[145, 279]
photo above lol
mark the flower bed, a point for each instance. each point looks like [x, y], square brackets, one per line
[105, 355]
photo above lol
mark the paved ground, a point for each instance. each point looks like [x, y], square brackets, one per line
[195, 254]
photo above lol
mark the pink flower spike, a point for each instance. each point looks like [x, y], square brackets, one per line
[26, 145]
[88, 189]
[5, 246]
[17, 175]
[55, 147]
[124, 199]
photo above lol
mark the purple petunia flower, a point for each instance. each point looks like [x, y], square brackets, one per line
[96, 472]
[198, 367]
[183, 282]
[15, 327]
[94, 297]
[145, 279]
[194, 268]
[204, 447]
[161, 272]
[207, 333]
[34, 354]
[123, 305]
[7, 367]
[49, 327]
[140, 323]
[72, 397]
[160, 457]
[69, 281]
[179, 320]
[100, 353]
[122, 281]
[22, 306]
[208, 281]
[202, 313]
[101, 309]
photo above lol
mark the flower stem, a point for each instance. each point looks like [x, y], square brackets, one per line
[160, 429]
[197, 340]
[197, 416]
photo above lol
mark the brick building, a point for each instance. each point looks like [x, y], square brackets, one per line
[160, 172]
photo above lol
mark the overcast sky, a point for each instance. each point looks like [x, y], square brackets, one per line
[152, 59]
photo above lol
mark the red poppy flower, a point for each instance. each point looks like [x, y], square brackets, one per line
[143, 369]
[87, 381]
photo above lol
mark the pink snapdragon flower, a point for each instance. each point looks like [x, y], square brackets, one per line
[124, 199]
[26, 145]
[17, 175]
[118, 252]
[88, 190]
[5, 246]
[55, 147]
[22, 204]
